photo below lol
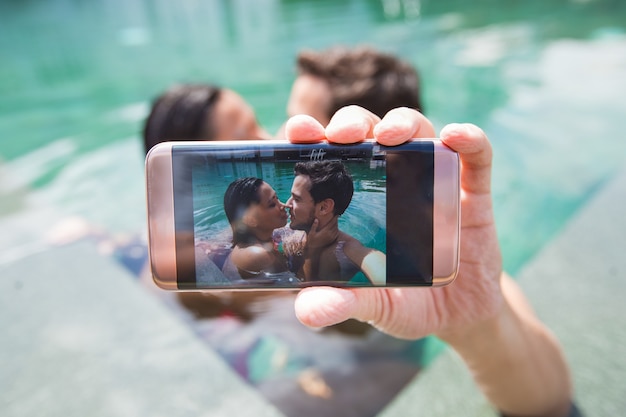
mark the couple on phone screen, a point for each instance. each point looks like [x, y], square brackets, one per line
[321, 192]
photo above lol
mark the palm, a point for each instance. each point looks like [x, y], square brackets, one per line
[417, 312]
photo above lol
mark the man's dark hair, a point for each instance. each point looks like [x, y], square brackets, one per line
[181, 113]
[363, 76]
[240, 195]
[329, 179]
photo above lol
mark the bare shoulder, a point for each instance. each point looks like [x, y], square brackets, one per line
[371, 261]
[252, 258]
[354, 249]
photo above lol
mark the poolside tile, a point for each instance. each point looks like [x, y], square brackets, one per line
[577, 285]
[87, 340]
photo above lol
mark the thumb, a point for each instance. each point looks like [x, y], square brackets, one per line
[404, 313]
[325, 306]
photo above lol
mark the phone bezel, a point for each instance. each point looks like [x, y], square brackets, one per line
[161, 211]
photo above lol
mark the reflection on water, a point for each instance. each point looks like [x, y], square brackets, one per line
[544, 79]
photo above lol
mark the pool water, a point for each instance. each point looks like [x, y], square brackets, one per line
[545, 80]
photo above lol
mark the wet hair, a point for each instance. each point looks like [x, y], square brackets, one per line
[240, 195]
[182, 112]
[363, 76]
[329, 179]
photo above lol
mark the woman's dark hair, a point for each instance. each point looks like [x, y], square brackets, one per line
[240, 195]
[181, 113]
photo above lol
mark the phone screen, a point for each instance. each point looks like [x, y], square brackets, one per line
[387, 215]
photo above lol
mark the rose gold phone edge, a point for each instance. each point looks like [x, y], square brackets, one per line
[161, 227]
[446, 215]
[160, 206]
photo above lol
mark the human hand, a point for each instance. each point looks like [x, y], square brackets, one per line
[298, 243]
[416, 312]
[353, 124]
[321, 236]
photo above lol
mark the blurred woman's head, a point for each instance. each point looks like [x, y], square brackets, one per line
[200, 112]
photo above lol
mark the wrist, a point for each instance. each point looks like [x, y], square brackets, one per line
[508, 352]
[483, 317]
[478, 338]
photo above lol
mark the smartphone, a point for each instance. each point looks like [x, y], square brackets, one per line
[263, 215]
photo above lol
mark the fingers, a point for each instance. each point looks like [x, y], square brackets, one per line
[351, 124]
[475, 152]
[304, 129]
[402, 124]
[313, 232]
[315, 225]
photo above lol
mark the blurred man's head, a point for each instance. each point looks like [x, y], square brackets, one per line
[331, 79]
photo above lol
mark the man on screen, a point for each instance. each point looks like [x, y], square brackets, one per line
[321, 192]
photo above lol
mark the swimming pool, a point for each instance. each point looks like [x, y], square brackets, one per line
[76, 89]
[545, 80]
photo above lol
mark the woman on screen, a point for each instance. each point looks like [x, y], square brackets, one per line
[254, 212]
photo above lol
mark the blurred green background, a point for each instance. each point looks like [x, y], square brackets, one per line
[545, 79]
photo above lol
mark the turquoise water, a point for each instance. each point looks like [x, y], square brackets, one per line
[544, 79]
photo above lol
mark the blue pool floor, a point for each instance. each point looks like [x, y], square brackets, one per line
[88, 340]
